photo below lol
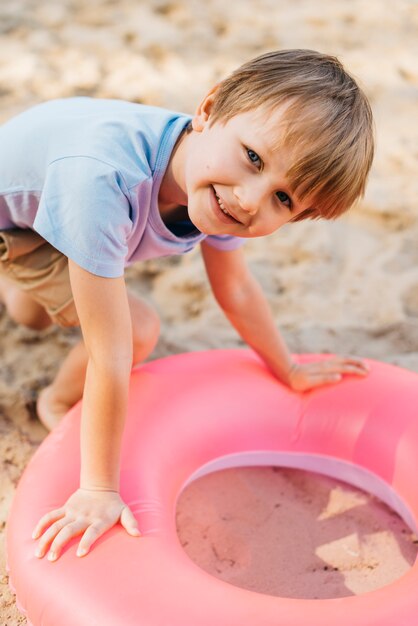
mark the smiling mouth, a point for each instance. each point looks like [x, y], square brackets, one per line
[223, 209]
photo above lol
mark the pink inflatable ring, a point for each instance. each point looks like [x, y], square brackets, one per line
[189, 415]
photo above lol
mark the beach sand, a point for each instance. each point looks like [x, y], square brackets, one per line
[349, 287]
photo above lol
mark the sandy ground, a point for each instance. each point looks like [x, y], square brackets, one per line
[349, 286]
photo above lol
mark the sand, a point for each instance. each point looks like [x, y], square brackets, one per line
[349, 286]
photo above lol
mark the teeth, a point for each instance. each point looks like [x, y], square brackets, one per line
[221, 205]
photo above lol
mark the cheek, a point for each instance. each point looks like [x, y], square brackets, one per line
[201, 170]
[216, 165]
[269, 223]
[212, 162]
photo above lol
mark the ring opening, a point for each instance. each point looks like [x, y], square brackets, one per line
[295, 525]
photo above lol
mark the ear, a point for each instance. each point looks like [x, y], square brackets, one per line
[203, 111]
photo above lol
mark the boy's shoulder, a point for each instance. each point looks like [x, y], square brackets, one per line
[82, 108]
[71, 126]
[130, 137]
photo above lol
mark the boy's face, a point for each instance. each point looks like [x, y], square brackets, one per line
[233, 180]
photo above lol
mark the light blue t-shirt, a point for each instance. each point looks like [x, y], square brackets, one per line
[85, 174]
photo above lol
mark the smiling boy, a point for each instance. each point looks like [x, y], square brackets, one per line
[88, 187]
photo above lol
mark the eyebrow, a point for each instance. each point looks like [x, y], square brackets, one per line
[264, 148]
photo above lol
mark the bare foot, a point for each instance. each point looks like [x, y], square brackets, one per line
[50, 410]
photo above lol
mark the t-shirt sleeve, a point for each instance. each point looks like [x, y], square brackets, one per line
[225, 242]
[84, 212]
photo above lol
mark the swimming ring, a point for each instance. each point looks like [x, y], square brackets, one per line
[189, 415]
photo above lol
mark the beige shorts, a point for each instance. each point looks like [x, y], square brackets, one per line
[41, 271]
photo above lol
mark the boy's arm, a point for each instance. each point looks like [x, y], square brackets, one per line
[242, 300]
[103, 310]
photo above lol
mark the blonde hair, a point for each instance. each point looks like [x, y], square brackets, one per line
[328, 123]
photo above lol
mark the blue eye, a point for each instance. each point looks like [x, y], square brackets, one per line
[253, 156]
[284, 199]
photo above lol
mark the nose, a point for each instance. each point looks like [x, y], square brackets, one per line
[249, 199]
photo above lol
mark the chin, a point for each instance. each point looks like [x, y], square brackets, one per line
[205, 231]
[200, 225]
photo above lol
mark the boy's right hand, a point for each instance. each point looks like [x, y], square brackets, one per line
[89, 512]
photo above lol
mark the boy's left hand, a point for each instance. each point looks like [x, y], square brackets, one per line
[305, 376]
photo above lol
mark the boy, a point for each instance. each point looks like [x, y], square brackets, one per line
[90, 186]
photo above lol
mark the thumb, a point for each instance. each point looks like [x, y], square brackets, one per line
[128, 521]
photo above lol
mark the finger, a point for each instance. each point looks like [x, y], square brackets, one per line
[91, 535]
[46, 521]
[128, 521]
[336, 367]
[324, 379]
[357, 370]
[49, 536]
[63, 537]
[349, 362]
[344, 368]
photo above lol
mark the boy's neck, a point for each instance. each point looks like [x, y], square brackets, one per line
[173, 213]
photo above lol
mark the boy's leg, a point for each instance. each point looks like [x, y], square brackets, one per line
[34, 280]
[21, 307]
[67, 388]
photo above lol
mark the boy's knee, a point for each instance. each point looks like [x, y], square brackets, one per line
[146, 328]
[25, 311]
[149, 326]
